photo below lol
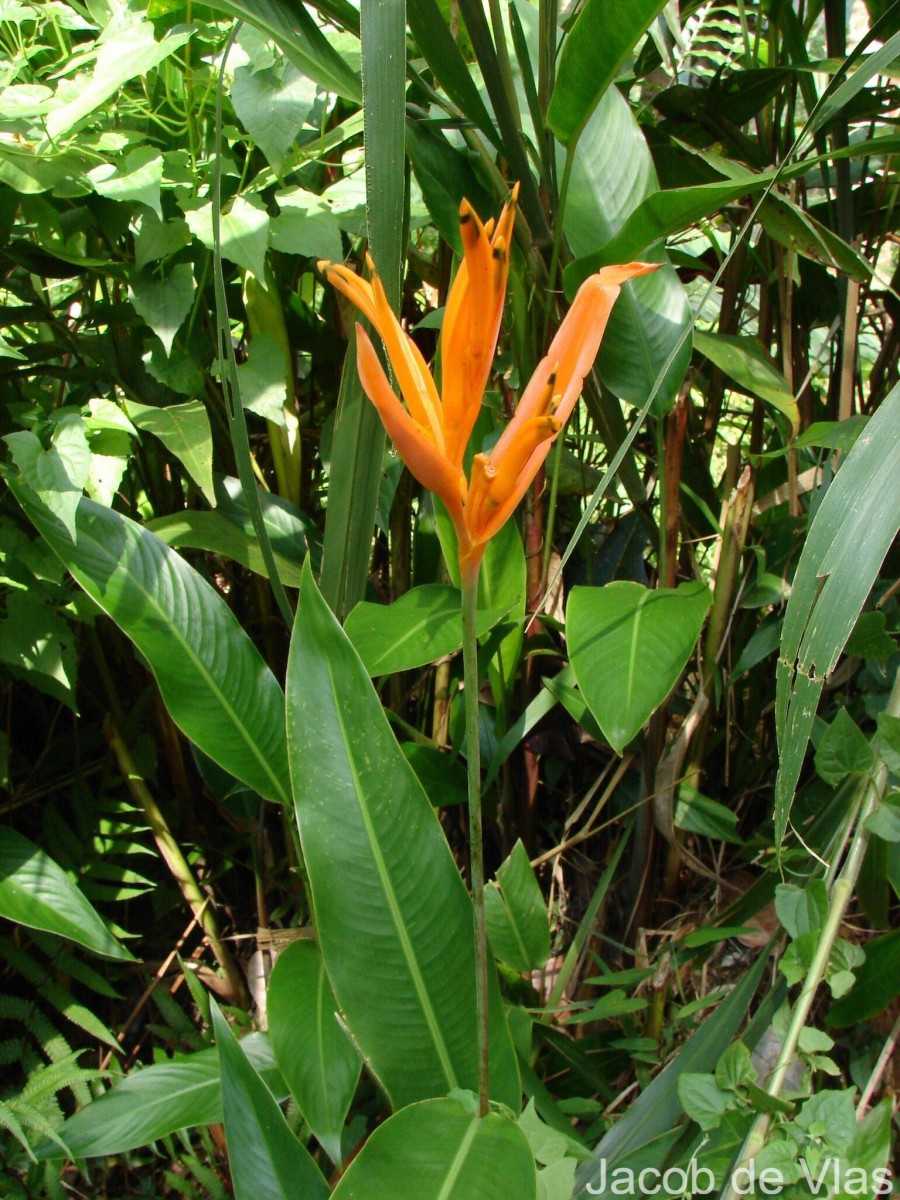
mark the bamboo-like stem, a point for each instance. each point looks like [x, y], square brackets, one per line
[176, 862]
[841, 894]
[476, 839]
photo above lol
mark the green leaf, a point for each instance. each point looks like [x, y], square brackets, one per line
[185, 432]
[317, 1059]
[36, 644]
[123, 55]
[164, 304]
[359, 440]
[35, 892]
[214, 683]
[245, 232]
[703, 1100]
[421, 626]
[734, 1068]
[614, 1004]
[156, 239]
[153, 1102]
[393, 917]
[658, 1108]
[58, 474]
[289, 25]
[139, 178]
[272, 105]
[439, 1150]
[888, 741]
[884, 822]
[745, 362]
[594, 51]
[848, 539]
[788, 224]
[311, 233]
[843, 749]
[875, 988]
[267, 1161]
[802, 910]
[699, 814]
[612, 173]
[628, 646]
[441, 50]
[870, 638]
[262, 378]
[442, 777]
[211, 531]
[516, 914]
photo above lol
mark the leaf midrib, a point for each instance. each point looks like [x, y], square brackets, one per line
[186, 646]
[431, 1018]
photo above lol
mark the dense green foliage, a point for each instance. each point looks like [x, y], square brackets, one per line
[237, 946]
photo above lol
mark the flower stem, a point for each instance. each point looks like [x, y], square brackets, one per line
[476, 840]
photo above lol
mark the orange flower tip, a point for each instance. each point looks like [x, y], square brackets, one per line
[498, 250]
[613, 276]
[514, 194]
[370, 263]
[324, 265]
[489, 226]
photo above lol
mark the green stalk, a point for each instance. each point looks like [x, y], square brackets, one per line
[476, 839]
[841, 894]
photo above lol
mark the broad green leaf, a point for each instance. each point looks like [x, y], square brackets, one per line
[272, 105]
[185, 432]
[422, 626]
[311, 233]
[195, 529]
[289, 25]
[28, 172]
[152, 1102]
[843, 749]
[35, 892]
[848, 539]
[746, 363]
[245, 232]
[612, 174]
[516, 914]
[58, 474]
[139, 178]
[37, 644]
[702, 1099]
[164, 303]
[316, 1057]
[594, 51]
[393, 917]
[628, 646]
[214, 683]
[267, 1161]
[156, 239]
[131, 51]
[440, 1150]
[291, 534]
[262, 378]
[802, 910]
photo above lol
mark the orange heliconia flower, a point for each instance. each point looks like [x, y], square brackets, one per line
[432, 432]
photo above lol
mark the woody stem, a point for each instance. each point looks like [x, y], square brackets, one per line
[476, 840]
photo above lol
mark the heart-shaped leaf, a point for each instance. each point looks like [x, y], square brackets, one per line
[628, 645]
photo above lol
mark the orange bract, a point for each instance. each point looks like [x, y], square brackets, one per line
[432, 432]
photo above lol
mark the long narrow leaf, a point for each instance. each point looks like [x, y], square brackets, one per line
[851, 533]
[393, 918]
[215, 685]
